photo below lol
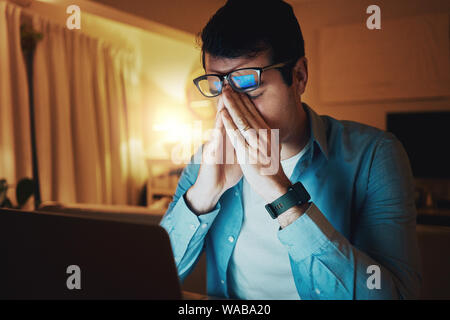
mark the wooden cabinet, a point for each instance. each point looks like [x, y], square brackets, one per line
[163, 179]
[407, 59]
[433, 216]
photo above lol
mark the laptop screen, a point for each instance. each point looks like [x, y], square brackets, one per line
[55, 256]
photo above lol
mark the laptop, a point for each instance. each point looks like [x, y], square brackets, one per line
[68, 256]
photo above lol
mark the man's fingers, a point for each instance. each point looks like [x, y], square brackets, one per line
[238, 141]
[261, 123]
[235, 109]
[230, 126]
[220, 105]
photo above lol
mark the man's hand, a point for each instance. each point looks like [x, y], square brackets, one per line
[243, 123]
[215, 175]
[251, 137]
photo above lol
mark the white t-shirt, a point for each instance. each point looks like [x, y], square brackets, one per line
[259, 265]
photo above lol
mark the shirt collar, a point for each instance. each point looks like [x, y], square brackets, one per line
[317, 129]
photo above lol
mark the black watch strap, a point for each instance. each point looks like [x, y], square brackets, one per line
[296, 195]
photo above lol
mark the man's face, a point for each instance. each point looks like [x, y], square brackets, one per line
[274, 99]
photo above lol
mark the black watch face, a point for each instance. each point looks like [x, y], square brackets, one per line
[270, 211]
[273, 215]
[301, 191]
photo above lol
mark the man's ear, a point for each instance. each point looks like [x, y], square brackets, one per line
[300, 75]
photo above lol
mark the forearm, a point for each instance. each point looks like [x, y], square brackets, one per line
[202, 201]
[338, 270]
[187, 233]
[327, 266]
[292, 214]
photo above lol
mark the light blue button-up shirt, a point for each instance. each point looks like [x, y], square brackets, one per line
[362, 214]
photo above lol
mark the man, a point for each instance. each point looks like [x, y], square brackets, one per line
[335, 218]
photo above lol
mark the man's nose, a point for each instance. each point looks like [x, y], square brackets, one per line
[225, 84]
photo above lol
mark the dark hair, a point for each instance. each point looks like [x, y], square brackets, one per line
[248, 27]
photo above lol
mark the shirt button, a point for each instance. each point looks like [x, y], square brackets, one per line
[204, 225]
[317, 291]
[230, 238]
[222, 282]
[236, 193]
[192, 227]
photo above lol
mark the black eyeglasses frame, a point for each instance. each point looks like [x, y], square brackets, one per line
[224, 77]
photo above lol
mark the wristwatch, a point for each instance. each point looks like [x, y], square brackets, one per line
[296, 195]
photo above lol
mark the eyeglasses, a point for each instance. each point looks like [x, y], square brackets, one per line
[241, 80]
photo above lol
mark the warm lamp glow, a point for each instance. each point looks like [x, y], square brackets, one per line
[174, 131]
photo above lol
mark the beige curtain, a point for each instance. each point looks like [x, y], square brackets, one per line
[82, 101]
[15, 149]
[89, 149]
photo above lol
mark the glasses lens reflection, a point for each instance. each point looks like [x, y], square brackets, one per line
[245, 79]
[210, 86]
[241, 80]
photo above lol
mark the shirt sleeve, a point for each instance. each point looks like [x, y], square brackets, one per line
[382, 260]
[186, 230]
